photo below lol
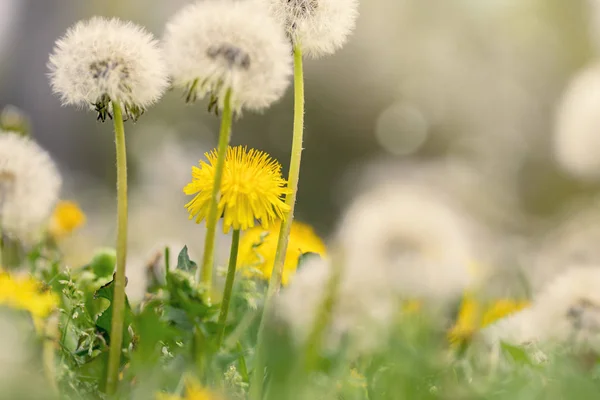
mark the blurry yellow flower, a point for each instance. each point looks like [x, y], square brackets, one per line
[66, 218]
[473, 316]
[26, 293]
[251, 189]
[257, 249]
[411, 306]
[193, 391]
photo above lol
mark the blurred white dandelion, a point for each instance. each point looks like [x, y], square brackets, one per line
[101, 60]
[29, 186]
[318, 27]
[362, 312]
[577, 132]
[566, 311]
[571, 241]
[411, 237]
[213, 46]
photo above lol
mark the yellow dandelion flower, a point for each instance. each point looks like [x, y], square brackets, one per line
[193, 391]
[473, 316]
[251, 189]
[411, 306]
[67, 217]
[25, 293]
[258, 246]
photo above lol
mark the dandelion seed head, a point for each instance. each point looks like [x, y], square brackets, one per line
[319, 27]
[251, 189]
[29, 186]
[567, 310]
[101, 60]
[412, 238]
[475, 314]
[576, 140]
[518, 328]
[213, 46]
[362, 311]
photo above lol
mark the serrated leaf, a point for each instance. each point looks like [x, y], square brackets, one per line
[184, 263]
[104, 320]
[154, 331]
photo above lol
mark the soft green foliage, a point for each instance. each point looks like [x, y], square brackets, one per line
[171, 335]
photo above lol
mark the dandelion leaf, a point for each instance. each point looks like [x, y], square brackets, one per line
[184, 263]
[103, 323]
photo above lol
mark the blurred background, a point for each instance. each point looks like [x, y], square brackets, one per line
[458, 95]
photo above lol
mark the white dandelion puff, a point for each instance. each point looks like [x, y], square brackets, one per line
[410, 237]
[213, 46]
[102, 60]
[576, 137]
[517, 328]
[318, 27]
[29, 186]
[567, 311]
[362, 309]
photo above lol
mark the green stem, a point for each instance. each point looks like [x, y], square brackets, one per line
[293, 176]
[322, 319]
[286, 225]
[118, 303]
[235, 242]
[242, 363]
[213, 213]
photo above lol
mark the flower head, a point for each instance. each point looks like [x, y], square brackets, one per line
[410, 238]
[29, 186]
[473, 315]
[319, 27]
[25, 293]
[193, 391]
[251, 189]
[102, 60]
[576, 139]
[363, 309]
[213, 46]
[567, 310]
[67, 217]
[258, 246]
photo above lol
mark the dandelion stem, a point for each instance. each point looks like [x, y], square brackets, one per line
[213, 213]
[235, 242]
[322, 319]
[293, 176]
[118, 303]
[286, 225]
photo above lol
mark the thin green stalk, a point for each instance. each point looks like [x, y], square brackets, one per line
[118, 303]
[322, 319]
[213, 213]
[235, 243]
[293, 175]
[286, 226]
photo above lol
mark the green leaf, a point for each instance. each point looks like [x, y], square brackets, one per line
[103, 323]
[154, 332]
[184, 263]
[518, 354]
